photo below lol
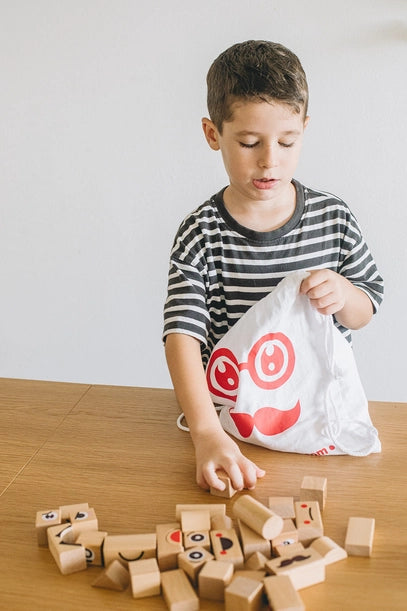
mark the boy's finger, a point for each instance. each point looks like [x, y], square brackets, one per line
[236, 477]
[212, 480]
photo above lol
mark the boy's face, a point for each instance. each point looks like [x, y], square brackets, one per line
[260, 147]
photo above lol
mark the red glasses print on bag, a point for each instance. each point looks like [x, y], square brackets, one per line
[270, 363]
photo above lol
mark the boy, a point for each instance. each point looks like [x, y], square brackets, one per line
[234, 249]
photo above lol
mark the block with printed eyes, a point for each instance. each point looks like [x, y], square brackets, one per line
[198, 537]
[43, 520]
[288, 535]
[67, 510]
[82, 521]
[192, 560]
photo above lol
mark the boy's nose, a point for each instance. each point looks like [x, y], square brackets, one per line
[268, 158]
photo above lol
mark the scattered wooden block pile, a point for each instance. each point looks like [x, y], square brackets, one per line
[266, 553]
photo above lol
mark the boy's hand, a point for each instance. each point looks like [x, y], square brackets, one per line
[330, 293]
[326, 290]
[216, 450]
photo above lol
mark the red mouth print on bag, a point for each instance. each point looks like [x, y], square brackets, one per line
[270, 363]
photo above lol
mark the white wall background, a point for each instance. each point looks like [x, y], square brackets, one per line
[101, 156]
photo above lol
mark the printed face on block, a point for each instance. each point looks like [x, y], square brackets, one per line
[195, 538]
[225, 546]
[192, 560]
[129, 548]
[92, 542]
[169, 545]
[305, 568]
[83, 520]
[43, 520]
[308, 521]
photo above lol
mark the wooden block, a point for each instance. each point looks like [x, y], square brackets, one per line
[256, 562]
[70, 558]
[92, 541]
[250, 574]
[308, 520]
[177, 591]
[197, 537]
[243, 594]
[329, 550]
[314, 489]
[257, 516]
[226, 547]
[214, 509]
[289, 550]
[64, 533]
[252, 541]
[281, 594]
[195, 520]
[219, 522]
[288, 535]
[213, 578]
[82, 521]
[169, 545]
[145, 578]
[43, 519]
[359, 536]
[228, 492]
[305, 569]
[283, 506]
[192, 560]
[128, 548]
[66, 510]
[113, 577]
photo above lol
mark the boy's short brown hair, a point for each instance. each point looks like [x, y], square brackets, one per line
[256, 70]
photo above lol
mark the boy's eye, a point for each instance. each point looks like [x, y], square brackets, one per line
[286, 145]
[247, 145]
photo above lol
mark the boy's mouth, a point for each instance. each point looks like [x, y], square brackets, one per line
[264, 183]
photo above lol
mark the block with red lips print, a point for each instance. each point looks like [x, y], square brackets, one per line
[169, 545]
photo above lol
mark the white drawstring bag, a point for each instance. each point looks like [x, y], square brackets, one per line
[286, 379]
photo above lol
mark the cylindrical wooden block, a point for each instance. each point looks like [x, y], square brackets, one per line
[258, 517]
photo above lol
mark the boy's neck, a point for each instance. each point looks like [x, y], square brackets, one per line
[261, 215]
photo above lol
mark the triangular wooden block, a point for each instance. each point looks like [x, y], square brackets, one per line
[114, 577]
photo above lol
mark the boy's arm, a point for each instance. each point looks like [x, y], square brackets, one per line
[330, 293]
[214, 449]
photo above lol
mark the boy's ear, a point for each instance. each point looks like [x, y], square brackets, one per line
[211, 133]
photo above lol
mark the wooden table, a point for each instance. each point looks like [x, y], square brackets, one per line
[120, 450]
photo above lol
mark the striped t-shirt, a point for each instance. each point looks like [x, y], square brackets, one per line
[219, 269]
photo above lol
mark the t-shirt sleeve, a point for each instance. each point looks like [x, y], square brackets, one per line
[358, 266]
[185, 309]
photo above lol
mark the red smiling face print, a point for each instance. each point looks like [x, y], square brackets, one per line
[270, 364]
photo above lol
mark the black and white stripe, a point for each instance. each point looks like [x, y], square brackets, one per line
[219, 269]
